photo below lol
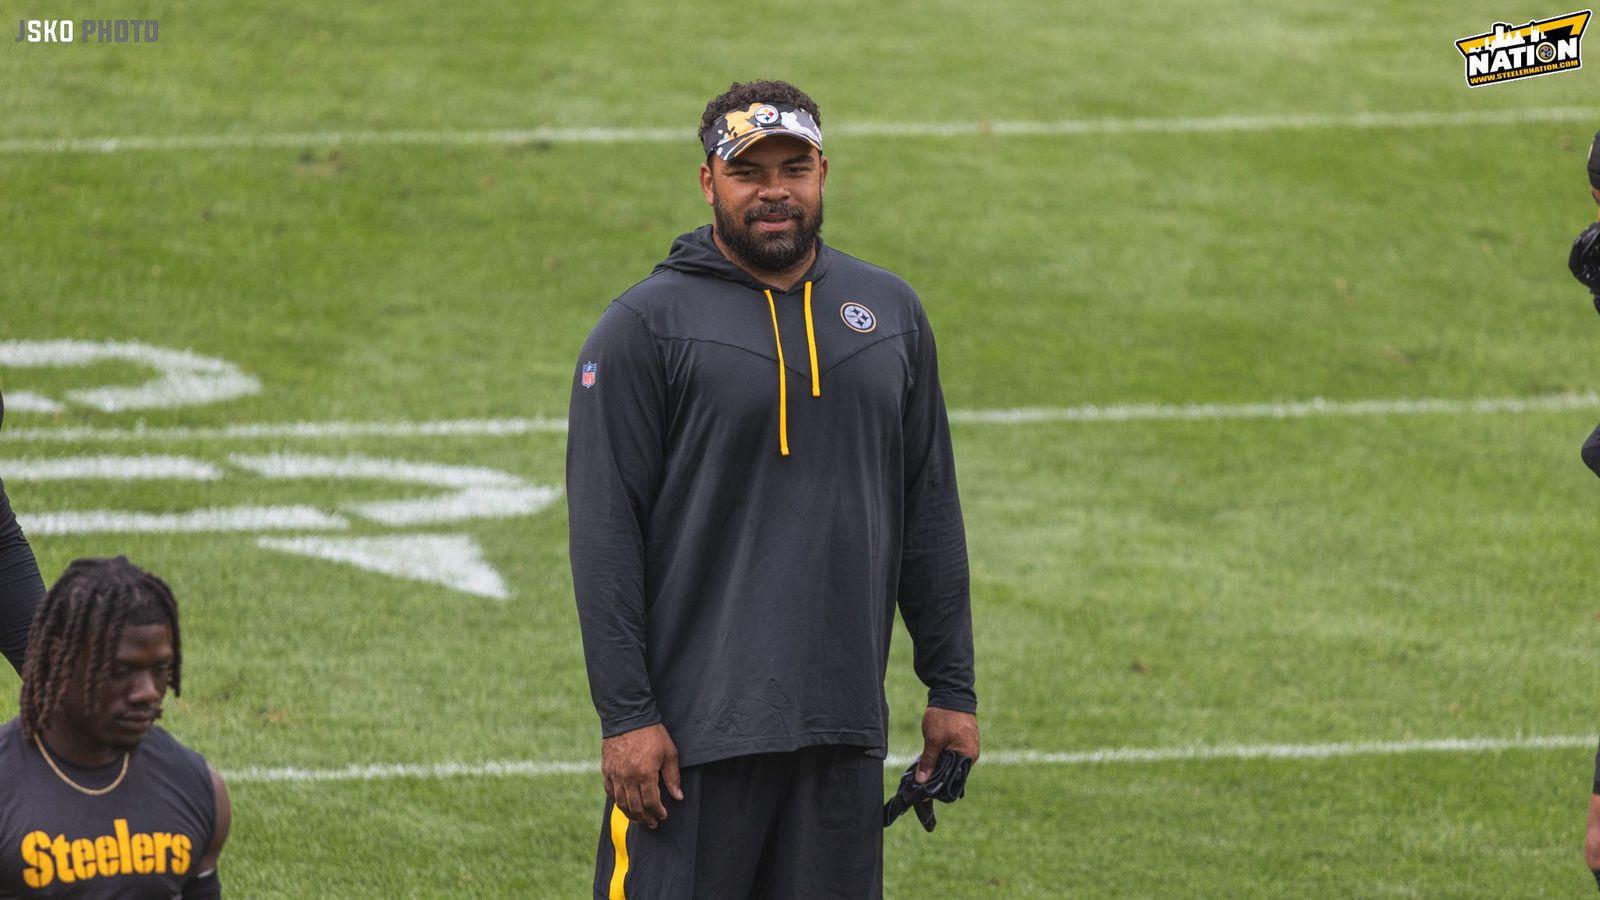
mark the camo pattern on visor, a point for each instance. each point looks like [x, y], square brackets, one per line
[735, 132]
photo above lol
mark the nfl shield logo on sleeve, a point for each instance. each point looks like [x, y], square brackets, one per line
[589, 370]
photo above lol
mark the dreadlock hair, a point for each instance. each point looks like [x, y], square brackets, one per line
[78, 627]
[740, 95]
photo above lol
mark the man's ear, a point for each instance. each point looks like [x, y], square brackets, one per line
[707, 186]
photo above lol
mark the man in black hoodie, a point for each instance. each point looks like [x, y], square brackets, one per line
[21, 588]
[1584, 261]
[759, 470]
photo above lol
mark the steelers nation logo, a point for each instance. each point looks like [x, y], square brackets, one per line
[858, 317]
[766, 115]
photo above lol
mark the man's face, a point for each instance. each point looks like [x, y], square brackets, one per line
[767, 202]
[129, 701]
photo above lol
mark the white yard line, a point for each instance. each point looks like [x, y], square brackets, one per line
[298, 466]
[199, 521]
[1300, 409]
[510, 769]
[112, 468]
[277, 430]
[1284, 751]
[685, 134]
[541, 769]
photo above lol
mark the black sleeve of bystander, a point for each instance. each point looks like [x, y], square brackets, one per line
[21, 588]
[1584, 259]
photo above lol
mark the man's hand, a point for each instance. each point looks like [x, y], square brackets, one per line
[950, 738]
[634, 765]
[946, 729]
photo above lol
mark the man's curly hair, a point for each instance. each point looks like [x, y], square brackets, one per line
[740, 95]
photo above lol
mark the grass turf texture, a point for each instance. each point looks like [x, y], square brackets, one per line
[1135, 584]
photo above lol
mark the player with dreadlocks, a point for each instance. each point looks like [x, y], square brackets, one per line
[97, 801]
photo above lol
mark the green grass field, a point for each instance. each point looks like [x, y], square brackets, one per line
[1161, 583]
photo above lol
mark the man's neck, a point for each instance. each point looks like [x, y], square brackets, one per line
[77, 748]
[783, 280]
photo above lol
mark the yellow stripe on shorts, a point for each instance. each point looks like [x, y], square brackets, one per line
[619, 844]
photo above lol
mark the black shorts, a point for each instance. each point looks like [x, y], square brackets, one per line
[807, 824]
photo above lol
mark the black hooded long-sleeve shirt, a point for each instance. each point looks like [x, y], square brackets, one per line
[740, 595]
[20, 585]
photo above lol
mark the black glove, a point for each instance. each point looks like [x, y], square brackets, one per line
[947, 784]
[1584, 261]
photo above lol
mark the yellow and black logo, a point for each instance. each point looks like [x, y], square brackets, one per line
[1541, 47]
[104, 856]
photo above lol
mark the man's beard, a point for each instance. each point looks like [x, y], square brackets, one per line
[777, 252]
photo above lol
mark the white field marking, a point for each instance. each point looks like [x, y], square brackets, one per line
[1295, 410]
[294, 465]
[110, 468]
[1276, 751]
[283, 430]
[537, 769]
[468, 503]
[1302, 409]
[27, 401]
[452, 560]
[1059, 127]
[479, 493]
[392, 771]
[235, 518]
[184, 378]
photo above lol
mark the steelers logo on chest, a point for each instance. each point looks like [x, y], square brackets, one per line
[858, 317]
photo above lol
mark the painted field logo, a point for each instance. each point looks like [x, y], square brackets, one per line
[1541, 47]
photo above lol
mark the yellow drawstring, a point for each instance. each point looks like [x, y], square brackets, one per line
[783, 382]
[811, 344]
[783, 379]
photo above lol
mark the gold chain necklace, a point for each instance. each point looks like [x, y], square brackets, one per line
[99, 792]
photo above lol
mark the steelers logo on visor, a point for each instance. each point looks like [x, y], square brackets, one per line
[736, 131]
